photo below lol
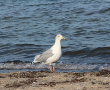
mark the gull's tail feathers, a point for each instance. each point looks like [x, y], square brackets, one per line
[35, 59]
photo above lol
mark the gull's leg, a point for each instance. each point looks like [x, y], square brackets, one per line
[50, 67]
[53, 68]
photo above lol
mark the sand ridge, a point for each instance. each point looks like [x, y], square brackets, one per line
[46, 80]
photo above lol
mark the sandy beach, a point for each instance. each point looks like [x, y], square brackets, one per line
[45, 80]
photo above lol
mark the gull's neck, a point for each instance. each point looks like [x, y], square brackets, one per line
[57, 44]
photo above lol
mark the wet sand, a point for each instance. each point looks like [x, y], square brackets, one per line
[45, 80]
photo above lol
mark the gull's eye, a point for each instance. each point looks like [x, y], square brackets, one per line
[58, 36]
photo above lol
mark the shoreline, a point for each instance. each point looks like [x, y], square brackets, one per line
[46, 80]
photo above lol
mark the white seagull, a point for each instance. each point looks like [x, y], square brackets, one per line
[51, 55]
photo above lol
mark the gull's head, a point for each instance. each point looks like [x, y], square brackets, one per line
[59, 36]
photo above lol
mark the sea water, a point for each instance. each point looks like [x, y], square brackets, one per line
[29, 27]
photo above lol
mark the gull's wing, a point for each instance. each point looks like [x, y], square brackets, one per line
[44, 56]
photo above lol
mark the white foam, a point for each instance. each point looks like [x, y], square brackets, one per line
[58, 66]
[104, 67]
[76, 67]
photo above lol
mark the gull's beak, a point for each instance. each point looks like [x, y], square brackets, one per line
[63, 38]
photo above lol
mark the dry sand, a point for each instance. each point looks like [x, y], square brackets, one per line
[45, 80]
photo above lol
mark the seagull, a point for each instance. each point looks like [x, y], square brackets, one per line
[51, 55]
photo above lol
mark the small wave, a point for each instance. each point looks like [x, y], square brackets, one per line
[101, 51]
[15, 62]
[7, 17]
[24, 45]
[104, 10]
[90, 52]
[24, 17]
[79, 52]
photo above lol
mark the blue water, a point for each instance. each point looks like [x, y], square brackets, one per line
[29, 27]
